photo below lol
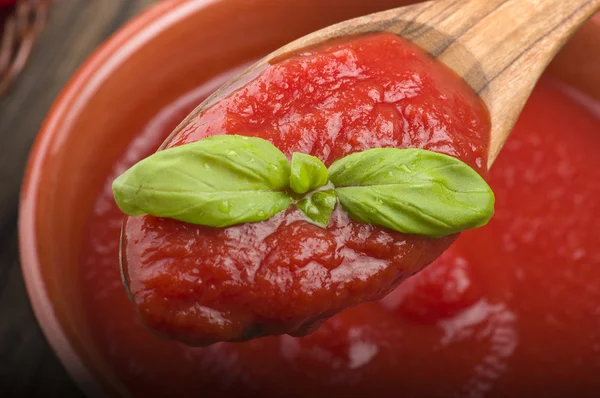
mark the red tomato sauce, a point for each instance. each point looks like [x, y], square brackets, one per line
[511, 309]
[200, 285]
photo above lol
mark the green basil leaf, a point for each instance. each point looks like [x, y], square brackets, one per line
[307, 173]
[413, 191]
[218, 182]
[317, 208]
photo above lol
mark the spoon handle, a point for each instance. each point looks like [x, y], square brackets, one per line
[500, 47]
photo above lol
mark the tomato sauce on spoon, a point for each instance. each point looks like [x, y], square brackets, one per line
[200, 285]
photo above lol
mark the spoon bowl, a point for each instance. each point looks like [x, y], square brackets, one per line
[500, 48]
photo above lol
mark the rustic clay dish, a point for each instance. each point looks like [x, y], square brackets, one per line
[160, 55]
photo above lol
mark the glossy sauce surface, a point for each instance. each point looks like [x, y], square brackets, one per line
[200, 285]
[511, 309]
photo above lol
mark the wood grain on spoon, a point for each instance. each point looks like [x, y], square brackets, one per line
[500, 47]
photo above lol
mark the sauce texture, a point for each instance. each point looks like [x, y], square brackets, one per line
[511, 309]
[200, 285]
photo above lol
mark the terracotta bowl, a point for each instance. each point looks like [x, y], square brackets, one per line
[159, 56]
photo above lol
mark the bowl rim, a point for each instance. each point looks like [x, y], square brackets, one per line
[123, 43]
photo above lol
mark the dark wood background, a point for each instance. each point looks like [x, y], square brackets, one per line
[28, 366]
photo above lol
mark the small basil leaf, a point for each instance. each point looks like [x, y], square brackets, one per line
[412, 191]
[218, 182]
[317, 208]
[307, 173]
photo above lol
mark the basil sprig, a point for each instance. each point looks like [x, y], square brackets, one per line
[228, 179]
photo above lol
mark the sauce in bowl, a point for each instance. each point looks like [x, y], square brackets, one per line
[512, 306]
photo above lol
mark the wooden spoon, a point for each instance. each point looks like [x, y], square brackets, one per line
[499, 47]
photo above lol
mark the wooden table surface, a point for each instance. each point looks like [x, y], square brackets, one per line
[28, 366]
